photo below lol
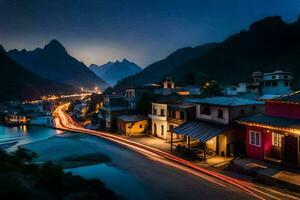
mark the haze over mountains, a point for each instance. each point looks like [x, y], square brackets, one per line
[112, 72]
[269, 44]
[17, 82]
[158, 70]
[53, 62]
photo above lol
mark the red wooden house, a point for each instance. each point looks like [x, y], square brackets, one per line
[275, 135]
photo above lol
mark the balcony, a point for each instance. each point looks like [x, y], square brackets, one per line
[176, 121]
[157, 117]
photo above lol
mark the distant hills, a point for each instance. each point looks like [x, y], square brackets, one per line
[53, 62]
[268, 44]
[158, 70]
[17, 82]
[112, 72]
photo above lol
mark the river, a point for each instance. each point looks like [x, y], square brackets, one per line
[129, 174]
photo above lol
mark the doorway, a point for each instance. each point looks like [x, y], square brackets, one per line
[291, 149]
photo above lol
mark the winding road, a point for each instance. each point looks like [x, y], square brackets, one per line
[240, 189]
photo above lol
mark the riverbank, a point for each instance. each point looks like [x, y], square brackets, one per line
[66, 150]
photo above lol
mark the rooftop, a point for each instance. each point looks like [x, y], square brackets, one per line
[289, 98]
[131, 118]
[225, 101]
[280, 122]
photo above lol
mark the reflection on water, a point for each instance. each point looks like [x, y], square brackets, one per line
[12, 137]
[118, 180]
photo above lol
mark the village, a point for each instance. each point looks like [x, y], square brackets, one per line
[252, 125]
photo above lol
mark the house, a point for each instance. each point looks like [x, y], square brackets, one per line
[133, 95]
[113, 106]
[168, 88]
[132, 124]
[214, 125]
[16, 118]
[80, 110]
[159, 123]
[234, 90]
[179, 113]
[275, 134]
[274, 83]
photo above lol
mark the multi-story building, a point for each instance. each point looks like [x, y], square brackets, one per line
[133, 95]
[113, 106]
[275, 135]
[159, 123]
[179, 113]
[274, 83]
[277, 82]
[214, 125]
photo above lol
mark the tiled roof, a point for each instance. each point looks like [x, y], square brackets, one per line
[280, 122]
[201, 130]
[290, 98]
[225, 101]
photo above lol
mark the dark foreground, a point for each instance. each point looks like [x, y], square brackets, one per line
[21, 179]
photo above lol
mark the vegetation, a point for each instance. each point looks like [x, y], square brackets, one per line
[211, 88]
[21, 179]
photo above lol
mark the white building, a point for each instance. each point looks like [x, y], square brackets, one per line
[159, 122]
[277, 83]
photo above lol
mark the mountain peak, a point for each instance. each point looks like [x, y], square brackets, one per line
[2, 50]
[125, 61]
[55, 46]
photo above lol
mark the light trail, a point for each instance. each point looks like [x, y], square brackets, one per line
[65, 122]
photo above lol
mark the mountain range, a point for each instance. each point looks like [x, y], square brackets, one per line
[159, 70]
[112, 72]
[267, 45]
[17, 82]
[53, 62]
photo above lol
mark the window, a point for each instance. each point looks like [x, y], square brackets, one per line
[155, 129]
[162, 130]
[154, 111]
[181, 115]
[220, 113]
[255, 138]
[268, 83]
[242, 112]
[274, 83]
[276, 140]
[273, 77]
[253, 108]
[162, 112]
[141, 126]
[205, 110]
[286, 83]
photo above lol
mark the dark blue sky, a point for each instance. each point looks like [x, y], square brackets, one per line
[97, 31]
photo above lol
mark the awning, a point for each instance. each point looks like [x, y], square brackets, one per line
[200, 130]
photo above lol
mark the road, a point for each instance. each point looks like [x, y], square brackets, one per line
[239, 189]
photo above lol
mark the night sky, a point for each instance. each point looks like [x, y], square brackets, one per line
[97, 31]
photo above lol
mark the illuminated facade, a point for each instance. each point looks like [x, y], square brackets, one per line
[132, 124]
[275, 135]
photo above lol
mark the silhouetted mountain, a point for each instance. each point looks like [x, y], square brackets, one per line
[267, 45]
[53, 62]
[17, 82]
[112, 72]
[158, 70]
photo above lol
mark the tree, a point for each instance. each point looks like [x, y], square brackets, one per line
[211, 88]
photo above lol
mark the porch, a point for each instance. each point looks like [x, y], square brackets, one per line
[199, 138]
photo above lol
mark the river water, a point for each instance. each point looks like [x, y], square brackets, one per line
[129, 174]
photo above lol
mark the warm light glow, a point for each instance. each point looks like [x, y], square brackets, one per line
[290, 130]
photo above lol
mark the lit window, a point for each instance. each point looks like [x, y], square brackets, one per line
[276, 140]
[255, 138]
